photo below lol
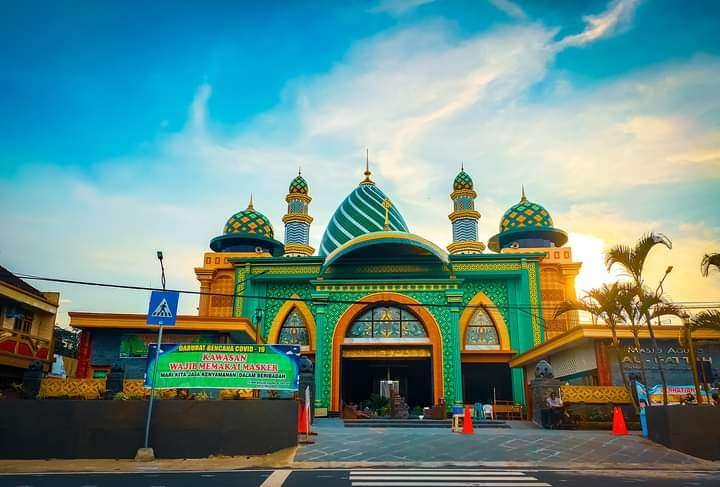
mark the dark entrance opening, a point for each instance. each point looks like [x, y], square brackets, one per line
[361, 377]
[480, 379]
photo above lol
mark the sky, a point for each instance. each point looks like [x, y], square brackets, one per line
[127, 128]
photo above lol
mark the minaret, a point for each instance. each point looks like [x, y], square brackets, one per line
[297, 221]
[464, 218]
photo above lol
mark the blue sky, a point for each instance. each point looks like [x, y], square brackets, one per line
[125, 128]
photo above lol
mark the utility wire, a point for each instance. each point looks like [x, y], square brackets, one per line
[523, 307]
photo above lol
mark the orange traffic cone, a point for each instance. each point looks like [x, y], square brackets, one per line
[618, 427]
[302, 419]
[467, 422]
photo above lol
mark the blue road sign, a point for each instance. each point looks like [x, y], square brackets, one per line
[163, 308]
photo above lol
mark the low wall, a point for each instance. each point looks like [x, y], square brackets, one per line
[694, 430]
[115, 429]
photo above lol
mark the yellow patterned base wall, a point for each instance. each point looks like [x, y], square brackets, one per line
[595, 394]
[132, 388]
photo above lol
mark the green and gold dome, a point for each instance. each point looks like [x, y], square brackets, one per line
[527, 224]
[298, 185]
[246, 231]
[462, 181]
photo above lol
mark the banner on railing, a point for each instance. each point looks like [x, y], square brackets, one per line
[654, 395]
[223, 366]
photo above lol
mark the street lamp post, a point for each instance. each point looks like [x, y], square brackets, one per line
[155, 363]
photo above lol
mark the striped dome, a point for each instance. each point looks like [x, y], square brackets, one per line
[360, 213]
[462, 181]
[298, 185]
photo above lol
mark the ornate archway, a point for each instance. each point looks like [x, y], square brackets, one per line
[355, 310]
[481, 300]
[284, 312]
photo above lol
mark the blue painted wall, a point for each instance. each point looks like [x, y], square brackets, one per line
[674, 358]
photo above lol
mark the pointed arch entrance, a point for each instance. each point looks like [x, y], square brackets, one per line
[294, 321]
[355, 315]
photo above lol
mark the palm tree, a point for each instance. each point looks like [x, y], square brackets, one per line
[602, 304]
[709, 260]
[632, 260]
[709, 319]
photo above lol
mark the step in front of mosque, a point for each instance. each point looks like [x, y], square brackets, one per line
[417, 423]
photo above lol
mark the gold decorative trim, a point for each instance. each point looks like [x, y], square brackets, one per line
[534, 304]
[384, 287]
[466, 246]
[495, 266]
[297, 217]
[286, 269]
[463, 192]
[295, 249]
[440, 253]
[298, 196]
[396, 352]
[456, 215]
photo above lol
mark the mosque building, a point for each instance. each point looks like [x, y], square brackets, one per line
[374, 301]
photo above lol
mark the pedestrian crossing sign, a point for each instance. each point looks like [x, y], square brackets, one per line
[163, 308]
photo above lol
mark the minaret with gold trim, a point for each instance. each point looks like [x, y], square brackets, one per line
[297, 221]
[464, 218]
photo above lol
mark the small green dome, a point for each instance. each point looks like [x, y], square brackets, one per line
[462, 181]
[298, 185]
[249, 222]
[525, 214]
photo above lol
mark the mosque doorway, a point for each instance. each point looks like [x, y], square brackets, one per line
[483, 382]
[361, 378]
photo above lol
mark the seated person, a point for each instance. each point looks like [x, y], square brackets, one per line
[555, 405]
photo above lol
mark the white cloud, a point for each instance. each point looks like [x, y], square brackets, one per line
[398, 7]
[614, 19]
[510, 8]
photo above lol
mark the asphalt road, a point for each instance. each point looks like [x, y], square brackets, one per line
[376, 477]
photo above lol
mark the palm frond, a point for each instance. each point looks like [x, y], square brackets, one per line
[708, 261]
[647, 242]
[573, 305]
[709, 319]
[619, 254]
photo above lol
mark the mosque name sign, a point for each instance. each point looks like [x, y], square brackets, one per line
[223, 366]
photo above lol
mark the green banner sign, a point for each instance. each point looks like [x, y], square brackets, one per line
[223, 366]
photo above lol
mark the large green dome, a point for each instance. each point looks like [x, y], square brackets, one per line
[360, 213]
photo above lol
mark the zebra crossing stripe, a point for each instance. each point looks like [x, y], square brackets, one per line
[443, 478]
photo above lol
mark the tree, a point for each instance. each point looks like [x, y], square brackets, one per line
[709, 260]
[602, 304]
[632, 260]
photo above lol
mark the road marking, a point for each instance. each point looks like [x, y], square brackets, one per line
[277, 478]
[442, 478]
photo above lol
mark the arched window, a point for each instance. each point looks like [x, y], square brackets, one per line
[387, 322]
[481, 333]
[294, 330]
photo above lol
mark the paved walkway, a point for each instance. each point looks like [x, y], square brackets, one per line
[523, 443]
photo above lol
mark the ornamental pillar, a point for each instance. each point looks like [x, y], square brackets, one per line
[455, 298]
[323, 352]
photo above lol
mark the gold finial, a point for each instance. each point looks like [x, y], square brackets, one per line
[367, 173]
[462, 166]
[250, 204]
[299, 170]
[523, 198]
[387, 205]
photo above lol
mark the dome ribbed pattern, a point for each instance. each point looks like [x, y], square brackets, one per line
[462, 181]
[250, 222]
[360, 213]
